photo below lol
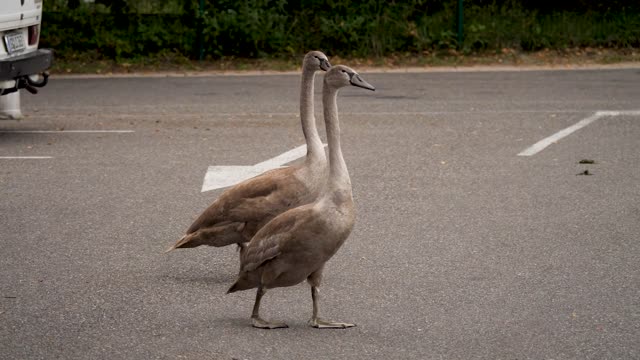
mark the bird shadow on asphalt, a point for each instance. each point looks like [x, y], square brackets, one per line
[199, 271]
[236, 322]
[212, 276]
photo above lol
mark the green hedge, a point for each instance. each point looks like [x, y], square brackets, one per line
[276, 28]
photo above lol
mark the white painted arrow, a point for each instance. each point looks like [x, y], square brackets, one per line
[218, 177]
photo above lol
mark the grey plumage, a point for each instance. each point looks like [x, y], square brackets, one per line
[240, 211]
[296, 244]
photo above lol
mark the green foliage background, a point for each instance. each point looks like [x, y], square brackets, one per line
[120, 29]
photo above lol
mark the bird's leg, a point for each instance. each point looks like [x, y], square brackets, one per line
[256, 320]
[318, 323]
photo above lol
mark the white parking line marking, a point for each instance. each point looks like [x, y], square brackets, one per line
[26, 157]
[218, 177]
[283, 158]
[542, 144]
[65, 131]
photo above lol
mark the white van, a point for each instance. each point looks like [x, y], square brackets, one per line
[22, 64]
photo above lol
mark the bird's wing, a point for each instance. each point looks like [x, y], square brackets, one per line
[251, 200]
[270, 241]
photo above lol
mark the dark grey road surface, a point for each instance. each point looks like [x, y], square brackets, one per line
[461, 250]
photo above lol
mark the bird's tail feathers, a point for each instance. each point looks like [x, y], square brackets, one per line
[180, 243]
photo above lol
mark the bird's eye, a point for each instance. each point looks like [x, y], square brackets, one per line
[344, 71]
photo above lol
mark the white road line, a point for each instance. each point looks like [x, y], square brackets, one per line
[218, 177]
[283, 158]
[25, 157]
[53, 132]
[620, 113]
[65, 131]
[542, 144]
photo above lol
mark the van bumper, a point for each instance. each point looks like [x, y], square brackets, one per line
[22, 71]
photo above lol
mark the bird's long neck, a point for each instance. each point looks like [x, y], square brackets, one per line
[315, 149]
[338, 173]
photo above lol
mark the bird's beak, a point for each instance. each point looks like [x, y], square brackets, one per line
[325, 64]
[356, 80]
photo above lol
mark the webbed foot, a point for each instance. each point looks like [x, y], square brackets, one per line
[324, 324]
[263, 324]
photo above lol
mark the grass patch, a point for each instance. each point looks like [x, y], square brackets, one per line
[279, 30]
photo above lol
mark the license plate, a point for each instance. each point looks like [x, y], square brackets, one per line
[15, 42]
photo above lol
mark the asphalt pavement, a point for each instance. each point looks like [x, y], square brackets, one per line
[462, 248]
